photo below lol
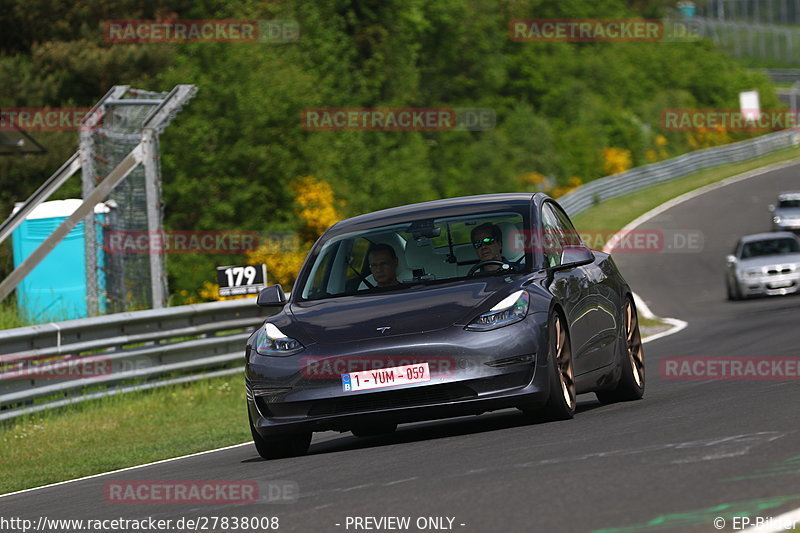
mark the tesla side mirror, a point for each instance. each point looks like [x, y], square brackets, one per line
[271, 296]
[573, 256]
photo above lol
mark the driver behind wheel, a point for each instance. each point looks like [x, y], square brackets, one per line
[487, 239]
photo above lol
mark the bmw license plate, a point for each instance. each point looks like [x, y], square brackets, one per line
[780, 284]
[386, 377]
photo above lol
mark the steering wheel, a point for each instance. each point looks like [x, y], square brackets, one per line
[481, 264]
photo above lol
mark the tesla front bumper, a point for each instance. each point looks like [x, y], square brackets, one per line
[471, 373]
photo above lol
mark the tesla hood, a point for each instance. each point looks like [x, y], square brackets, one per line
[414, 310]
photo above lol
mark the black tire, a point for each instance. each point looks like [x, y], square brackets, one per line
[561, 401]
[373, 430]
[631, 383]
[733, 293]
[278, 447]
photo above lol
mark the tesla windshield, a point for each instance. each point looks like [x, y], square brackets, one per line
[395, 256]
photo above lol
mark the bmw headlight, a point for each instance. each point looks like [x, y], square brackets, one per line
[272, 341]
[507, 311]
[750, 273]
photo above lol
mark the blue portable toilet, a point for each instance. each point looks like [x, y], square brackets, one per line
[56, 289]
[688, 8]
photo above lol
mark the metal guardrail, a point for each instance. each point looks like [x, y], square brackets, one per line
[53, 364]
[638, 178]
[782, 75]
[50, 365]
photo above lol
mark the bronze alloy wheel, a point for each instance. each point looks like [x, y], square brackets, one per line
[632, 379]
[563, 359]
[633, 340]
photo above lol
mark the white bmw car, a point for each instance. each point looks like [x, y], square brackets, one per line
[764, 264]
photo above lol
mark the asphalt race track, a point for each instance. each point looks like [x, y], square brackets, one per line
[690, 452]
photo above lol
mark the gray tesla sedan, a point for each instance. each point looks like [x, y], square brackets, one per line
[445, 308]
[764, 264]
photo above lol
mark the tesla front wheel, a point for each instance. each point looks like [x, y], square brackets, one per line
[631, 383]
[561, 401]
[283, 446]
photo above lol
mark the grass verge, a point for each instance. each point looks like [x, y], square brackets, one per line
[123, 430]
[136, 428]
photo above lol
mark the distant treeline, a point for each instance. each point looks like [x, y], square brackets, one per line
[565, 113]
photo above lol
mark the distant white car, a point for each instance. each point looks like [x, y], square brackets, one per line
[786, 213]
[764, 264]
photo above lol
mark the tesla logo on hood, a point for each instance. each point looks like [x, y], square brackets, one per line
[383, 329]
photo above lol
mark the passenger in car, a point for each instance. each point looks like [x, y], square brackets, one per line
[383, 264]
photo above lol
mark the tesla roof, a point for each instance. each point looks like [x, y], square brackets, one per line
[436, 208]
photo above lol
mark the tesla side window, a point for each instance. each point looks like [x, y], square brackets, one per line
[569, 235]
[558, 232]
[551, 238]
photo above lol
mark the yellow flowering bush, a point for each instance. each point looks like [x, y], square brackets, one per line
[708, 138]
[317, 209]
[534, 181]
[659, 152]
[616, 160]
[573, 183]
[283, 263]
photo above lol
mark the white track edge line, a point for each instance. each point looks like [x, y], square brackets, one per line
[778, 523]
[641, 306]
[641, 219]
[162, 461]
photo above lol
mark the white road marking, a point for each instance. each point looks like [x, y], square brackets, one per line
[644, 310]
[397, 482]
[162, 461]
[641, 306]
[779, 523]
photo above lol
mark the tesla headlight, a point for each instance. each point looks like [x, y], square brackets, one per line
[272, 341]
[507, 311]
